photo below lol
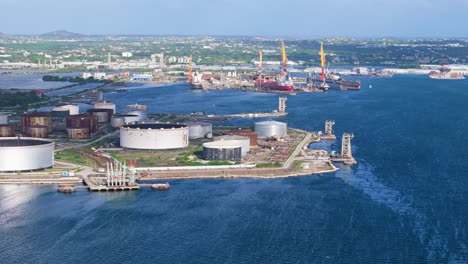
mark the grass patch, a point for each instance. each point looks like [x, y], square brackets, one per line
[72, 156]
[269, 165]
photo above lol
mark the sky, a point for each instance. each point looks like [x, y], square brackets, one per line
[285, 18]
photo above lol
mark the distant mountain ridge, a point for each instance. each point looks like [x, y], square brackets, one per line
[62, 34]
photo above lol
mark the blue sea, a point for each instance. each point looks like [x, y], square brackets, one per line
[404, 202]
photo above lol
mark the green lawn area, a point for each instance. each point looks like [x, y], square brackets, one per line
[71, 155]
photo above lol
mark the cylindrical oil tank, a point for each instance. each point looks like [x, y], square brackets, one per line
[73, 109]
[222, 150]
[244, 142]
[267, 129]
[82, 121]
[78, 133]
[105, 105]
[246, 133]
[119, 120]
[37, 131]
[36, 119]
[199, 129]
[142, 115]
[26, 154]
[3, 119]
[60, 113]
[103, 115]
[7, 131]
[138, 106]
[154, 136]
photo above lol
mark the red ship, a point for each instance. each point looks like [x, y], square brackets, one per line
[282, 82]
[272, 85]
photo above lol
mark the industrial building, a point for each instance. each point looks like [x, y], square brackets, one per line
[222, 150]
[36, 119]
[268, 129]
[252, 135]
[25, 154]
[244, 142]
[200, 130]
[153, 136]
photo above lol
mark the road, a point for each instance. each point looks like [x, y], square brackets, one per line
[292, 157]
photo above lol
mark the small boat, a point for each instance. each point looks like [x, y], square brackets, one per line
[161, 186]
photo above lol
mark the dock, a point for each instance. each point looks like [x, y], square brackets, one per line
[95, 184]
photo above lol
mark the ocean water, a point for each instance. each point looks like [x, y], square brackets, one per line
[405, 201]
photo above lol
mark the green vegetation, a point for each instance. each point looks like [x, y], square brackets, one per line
[19, 99]
[71, 155]
[269, 165]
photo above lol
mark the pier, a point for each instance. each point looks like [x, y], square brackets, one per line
[95, 184]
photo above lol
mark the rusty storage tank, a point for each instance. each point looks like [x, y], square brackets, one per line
[83, 120]
[138, 106]
[37, 131]
[7, 131]
[36, 119]
[246, 133]
[103, 115]
[78, 133]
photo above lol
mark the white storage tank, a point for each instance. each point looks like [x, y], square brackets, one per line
[244, 142]
[267, 129]
[222, 150]
[199, 129]
[26, 154]
[73, 109]
[154, 136]
[3, 119]
[142, 115]
[105, 105]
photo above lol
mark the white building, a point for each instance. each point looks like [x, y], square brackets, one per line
[127, 54]
[99, 75]
[86, 75]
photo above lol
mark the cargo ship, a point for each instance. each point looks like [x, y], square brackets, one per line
[334, 81]
[445, 74]
[194, 81]
[276, 83]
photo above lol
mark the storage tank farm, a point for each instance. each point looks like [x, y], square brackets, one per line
[222, 150]
[154, 136]
[25, 154]
[244, 142]
[268, 129]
